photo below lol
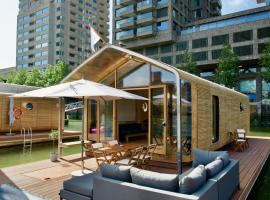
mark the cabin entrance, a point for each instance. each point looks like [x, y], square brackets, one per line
[132, 118]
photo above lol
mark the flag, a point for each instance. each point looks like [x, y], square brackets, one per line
[94, 38]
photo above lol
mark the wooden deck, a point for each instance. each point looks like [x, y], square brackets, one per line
[6, 140]
[45, 178]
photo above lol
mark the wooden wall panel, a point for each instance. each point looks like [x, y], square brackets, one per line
[42, 117]
[231, 117]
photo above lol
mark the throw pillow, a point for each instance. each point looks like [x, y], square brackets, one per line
[168, 182]
[225, 158]
[193, 181]
[120, 173]
[213, 168]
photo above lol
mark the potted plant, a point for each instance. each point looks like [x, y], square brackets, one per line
[53, 136]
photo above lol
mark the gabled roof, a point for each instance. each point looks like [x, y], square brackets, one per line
[107, 59]
[7, 88]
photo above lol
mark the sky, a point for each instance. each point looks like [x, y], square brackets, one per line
[8, 20]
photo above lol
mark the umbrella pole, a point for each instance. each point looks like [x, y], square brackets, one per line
[82, 137]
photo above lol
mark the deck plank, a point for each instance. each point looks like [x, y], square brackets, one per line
[251, 162]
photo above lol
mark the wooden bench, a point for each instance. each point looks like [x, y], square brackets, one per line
[134, 135]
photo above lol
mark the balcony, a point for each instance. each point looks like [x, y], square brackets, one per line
[125, 23]
[146, 31]
[125, 2]
[125, 35]
[146, 5]
[127, 11]
[147, 18]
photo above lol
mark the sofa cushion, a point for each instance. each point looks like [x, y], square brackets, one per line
[81, 185]
[193, 181]
[213, 168]
[225, 158]
[168, 182]
[201, 157]
[120, 173]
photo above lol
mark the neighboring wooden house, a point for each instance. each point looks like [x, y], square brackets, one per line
[181, 107]
[38, 114]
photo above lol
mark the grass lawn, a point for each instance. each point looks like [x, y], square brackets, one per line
[74, 125]
[10, 156]
[261, 189]
[260, 131]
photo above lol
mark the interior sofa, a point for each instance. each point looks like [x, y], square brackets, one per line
[213, 176]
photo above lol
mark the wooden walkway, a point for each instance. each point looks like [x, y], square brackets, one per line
[45, 178]
[37, 137]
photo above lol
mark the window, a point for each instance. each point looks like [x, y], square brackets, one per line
[243, 50]
[265, 90]
[151, 51]
[179, 58]
[166, 59]
[199, 43]
[243, 36]
[166, 48]
[162, 12]
[261, 47]
[181, 46]
[215, 122]
[162, 26]
[133, 76]
[216, 54]
[220, 39]
[200, 56]
[248, 87]
[263, 32]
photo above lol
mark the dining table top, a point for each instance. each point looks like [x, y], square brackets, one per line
[117, 148]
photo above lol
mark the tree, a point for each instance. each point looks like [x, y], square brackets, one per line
[48, 76]
[35, 78]
[189, 64]
[18, 77]
[227, 72]
[265, 63]
[2, 79]
[61, 70]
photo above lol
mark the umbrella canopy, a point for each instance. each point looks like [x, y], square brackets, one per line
[82, 88]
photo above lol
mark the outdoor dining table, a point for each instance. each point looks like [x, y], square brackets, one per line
[118, 149]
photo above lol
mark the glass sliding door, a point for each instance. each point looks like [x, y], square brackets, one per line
[106, 120]
[158, 118]
[92, 121]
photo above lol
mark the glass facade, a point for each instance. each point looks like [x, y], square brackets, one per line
[248, 87]
[133, 77]
[106, 121]
[227, 22]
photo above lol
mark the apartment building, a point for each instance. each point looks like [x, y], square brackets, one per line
[49, 30]
[147, 22]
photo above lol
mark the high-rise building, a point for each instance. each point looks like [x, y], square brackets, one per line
[49, 30]
[157, 21]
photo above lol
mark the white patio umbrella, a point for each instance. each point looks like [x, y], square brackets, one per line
[81, 89]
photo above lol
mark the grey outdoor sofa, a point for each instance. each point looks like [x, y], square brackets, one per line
[112, 185]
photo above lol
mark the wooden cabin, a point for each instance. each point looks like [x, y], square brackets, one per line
[37, 114]
[183, 111]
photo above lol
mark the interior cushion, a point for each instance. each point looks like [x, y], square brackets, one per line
[168, 182]
[120, 173]
[225, 158]
[201, 157]
[193, 181]
[81, 185]
[213, 168]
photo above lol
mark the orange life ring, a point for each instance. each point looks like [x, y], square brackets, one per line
[18, 113]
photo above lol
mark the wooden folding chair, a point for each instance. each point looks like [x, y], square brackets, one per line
[133, 159]
[241, 133]
[101, 156]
